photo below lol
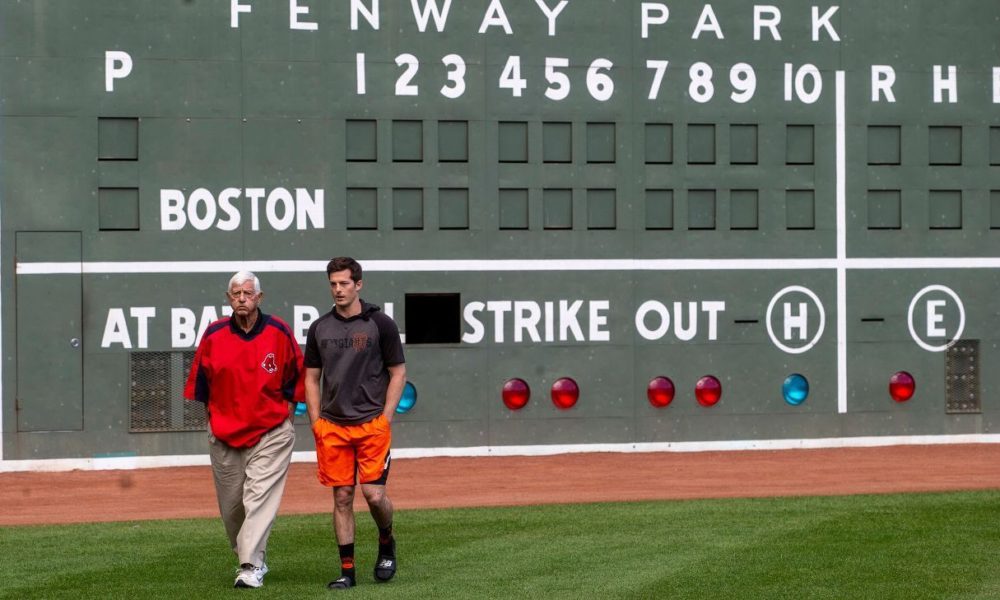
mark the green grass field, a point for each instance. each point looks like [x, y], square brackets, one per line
[894, 546]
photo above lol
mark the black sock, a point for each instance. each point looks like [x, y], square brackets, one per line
[385, 545]
[347, 560]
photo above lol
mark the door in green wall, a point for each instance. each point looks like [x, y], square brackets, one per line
[49, 334]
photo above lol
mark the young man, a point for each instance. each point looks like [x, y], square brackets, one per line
[247, 371]
[357, 350]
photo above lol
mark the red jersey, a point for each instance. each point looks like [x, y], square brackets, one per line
[246, 380]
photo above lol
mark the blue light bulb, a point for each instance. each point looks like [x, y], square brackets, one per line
[795, 389]
[408, 399]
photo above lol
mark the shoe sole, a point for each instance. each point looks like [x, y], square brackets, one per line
[244, 585]
[384, 575]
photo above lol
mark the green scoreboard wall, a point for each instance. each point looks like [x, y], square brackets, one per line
[607, 191]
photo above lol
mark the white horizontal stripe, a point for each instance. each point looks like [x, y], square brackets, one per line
[402, 266]
[974, 262]
[150, 462]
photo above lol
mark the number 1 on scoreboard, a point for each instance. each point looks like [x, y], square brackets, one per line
[359, 59]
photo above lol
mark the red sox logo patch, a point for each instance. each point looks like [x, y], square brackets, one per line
[359, 341]
[269, 364]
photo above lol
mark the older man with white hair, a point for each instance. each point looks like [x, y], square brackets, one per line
[248, 372]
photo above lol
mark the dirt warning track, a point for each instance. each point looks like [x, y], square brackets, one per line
[180, 492]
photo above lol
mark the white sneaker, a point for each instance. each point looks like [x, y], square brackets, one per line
[250, 576]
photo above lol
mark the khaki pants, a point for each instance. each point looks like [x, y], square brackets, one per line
[249, 483]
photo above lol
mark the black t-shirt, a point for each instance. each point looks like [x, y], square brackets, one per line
[353, 355]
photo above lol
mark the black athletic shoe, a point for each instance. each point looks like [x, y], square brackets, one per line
[385, 564]
[341, 583]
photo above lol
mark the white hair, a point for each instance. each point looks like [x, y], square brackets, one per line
[242, 277]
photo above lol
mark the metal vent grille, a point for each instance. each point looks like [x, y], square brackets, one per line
[156, 398]
[961, 377]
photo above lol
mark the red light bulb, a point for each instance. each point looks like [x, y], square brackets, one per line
[516, 393]
[902, 386]
[708, 390]
[565, 393]
[660, 391]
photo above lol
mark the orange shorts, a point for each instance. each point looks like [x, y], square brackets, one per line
[346, 454]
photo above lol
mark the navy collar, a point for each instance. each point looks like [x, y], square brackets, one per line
[254, 331]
